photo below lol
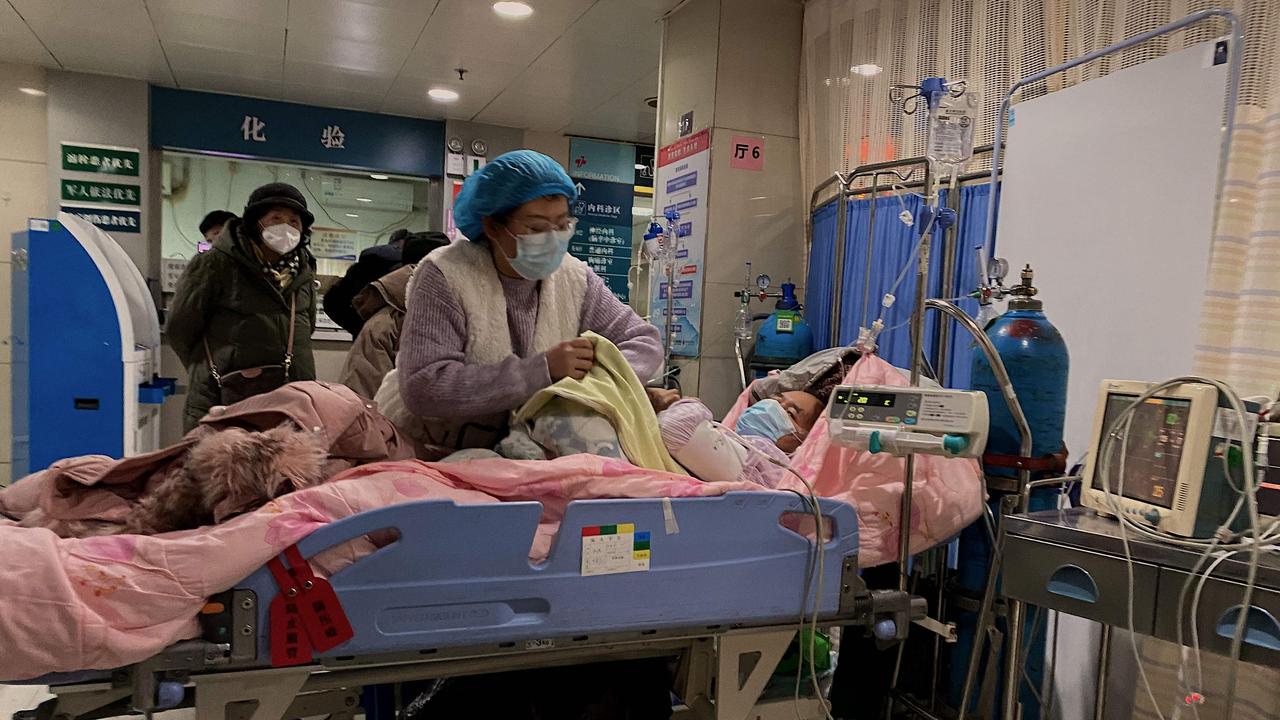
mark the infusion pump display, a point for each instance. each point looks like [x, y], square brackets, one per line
[901, 420]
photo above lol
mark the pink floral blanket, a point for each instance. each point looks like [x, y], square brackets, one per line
[105, 602]
[947, 493]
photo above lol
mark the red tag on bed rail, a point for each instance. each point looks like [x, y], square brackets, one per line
[290, 644]
[322, 615]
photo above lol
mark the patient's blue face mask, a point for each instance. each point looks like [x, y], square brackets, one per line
[766, 418]
[539, 254]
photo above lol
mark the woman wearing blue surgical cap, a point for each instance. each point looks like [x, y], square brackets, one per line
[494, 319]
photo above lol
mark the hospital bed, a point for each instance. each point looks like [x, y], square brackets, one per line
[455, 594]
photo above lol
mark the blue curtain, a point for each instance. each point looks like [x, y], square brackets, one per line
[892, 243]
[818, 285]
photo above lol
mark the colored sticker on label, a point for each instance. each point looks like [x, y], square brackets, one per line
[612, 549]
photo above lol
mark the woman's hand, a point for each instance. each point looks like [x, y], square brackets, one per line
[661, 399]
[572, 359]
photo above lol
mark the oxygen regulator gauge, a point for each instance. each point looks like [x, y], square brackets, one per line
[997, 269]
[763, 282]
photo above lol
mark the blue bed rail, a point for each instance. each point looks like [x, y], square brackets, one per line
[460, 574]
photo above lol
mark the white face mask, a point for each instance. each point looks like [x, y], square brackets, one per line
[540, 254]
[281, 238]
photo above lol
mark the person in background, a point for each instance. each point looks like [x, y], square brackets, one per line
[240, 305]
[374, 263]
[212, 224]
[381, 305]
[493, 320]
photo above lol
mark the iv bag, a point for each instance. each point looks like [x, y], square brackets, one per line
[951, 126]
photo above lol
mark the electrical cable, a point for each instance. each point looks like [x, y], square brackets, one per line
[1253, 540]
[817, 566]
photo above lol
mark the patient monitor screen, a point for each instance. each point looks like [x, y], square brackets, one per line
[1152, 452]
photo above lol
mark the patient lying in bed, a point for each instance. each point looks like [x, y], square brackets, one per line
[765, 435]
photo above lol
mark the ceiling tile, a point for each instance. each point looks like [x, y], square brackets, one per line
[206, 31]
[187, 58]
[331, 97]
[17, 43]
[586, 75]
[335, 78]
[346, 54]
[460, 27]
[112, 37]
[387, 24]
[425, 63]
[421, 106]
[470, 93]
[249, 13]
[531, 112]
[605, 132]
[626, 23]
[229, 84]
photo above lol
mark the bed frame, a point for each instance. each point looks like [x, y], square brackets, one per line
[457, 595]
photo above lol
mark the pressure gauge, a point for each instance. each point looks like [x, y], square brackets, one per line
[763, 281]
[997, 269]
[479, 147]
[455, 144]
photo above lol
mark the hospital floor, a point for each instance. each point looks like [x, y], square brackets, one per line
[26, 697]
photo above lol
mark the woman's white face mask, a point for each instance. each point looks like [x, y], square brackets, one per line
[539, 254]
[281, 237]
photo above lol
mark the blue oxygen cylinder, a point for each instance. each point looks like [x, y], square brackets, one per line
[785, 338]
[1036, 358]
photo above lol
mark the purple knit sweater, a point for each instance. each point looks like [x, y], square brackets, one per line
[436, 381]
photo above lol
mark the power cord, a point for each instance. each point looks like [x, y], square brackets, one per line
[816, 566]
[1223, 539]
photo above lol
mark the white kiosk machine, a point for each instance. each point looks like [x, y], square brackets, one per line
[88, 345]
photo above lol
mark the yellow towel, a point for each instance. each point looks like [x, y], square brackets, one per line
[612, 389]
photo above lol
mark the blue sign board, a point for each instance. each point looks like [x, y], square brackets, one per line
[598, 160]
[123, 221]
[267, 129]
[604, 173]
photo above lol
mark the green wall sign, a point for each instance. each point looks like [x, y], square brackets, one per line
[104, 159]
[126, 221]
[85, 191]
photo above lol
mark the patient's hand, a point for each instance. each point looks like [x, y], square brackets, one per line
[661, 398]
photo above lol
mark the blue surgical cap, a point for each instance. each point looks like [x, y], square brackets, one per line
[506, 183]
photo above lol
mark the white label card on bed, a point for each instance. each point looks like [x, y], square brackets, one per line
[610, 549]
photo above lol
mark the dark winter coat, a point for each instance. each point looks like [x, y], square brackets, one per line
[225, 297]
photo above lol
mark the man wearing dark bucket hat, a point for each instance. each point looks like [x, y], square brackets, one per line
[246, 309]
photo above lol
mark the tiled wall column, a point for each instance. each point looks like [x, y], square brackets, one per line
[23, 175]
[736, 65]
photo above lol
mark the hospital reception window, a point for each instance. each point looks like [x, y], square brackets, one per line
[353, 210]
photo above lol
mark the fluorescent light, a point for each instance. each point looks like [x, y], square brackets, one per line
[378, 176]
[641, 211]
[513, 9]
[352, 215]
[442, 94]
[364, 199]
[866, 69]
[32, 91]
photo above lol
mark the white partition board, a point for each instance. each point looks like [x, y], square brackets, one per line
[1109, 193]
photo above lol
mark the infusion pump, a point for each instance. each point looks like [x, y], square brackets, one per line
[904, 420]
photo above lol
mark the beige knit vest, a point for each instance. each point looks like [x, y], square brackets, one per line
[468, 269]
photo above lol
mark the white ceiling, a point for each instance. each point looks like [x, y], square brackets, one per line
[581, 67]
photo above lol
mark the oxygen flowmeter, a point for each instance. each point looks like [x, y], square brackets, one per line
[904, 420]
